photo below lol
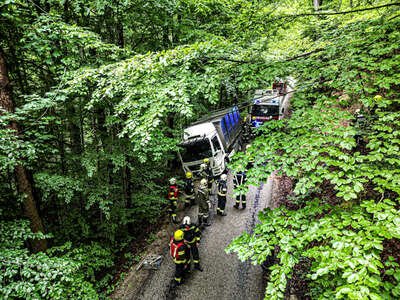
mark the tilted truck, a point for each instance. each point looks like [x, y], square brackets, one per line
[215, 137]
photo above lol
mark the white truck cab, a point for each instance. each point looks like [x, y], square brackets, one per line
[214, 138]
[202, 141]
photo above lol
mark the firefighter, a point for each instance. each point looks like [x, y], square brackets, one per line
[173, 193]
[180, 254]
[203, 200]
[189, 189]
[222, 188]
[206, 172]
[192, 236]
[239, 179]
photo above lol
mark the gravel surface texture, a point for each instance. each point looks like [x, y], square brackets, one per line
[224, 276]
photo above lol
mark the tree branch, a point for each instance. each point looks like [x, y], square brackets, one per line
[208, 59]
[333, 13]
[304, 54]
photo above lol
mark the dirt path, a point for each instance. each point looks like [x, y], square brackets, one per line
[224, 276]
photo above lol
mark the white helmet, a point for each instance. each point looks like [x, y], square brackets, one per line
[186, 220]
[203, 167]
[172, 181]
[248, 146]
[203, 183]
[224, 177]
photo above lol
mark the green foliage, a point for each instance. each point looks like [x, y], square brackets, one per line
[343, 244]
[63, 272]
[103, 90]
[62, 187]
[342, 161]
[13, 149]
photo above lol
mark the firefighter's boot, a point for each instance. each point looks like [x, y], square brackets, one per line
[205, 221]
[198, 267]
[236, 206]
[243, 205]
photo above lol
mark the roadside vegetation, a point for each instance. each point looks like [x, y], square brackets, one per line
[336, 233]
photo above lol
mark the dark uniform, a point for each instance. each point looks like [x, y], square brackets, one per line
[181, 263]
[173, 193]
[222, 191]
[189, 192]
[239, 179]
[192, 236]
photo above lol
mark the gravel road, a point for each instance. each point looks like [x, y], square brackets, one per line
[224, 276]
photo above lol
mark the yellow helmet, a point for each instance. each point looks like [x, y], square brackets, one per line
[178, 235]
[206, 160]
[188, 175]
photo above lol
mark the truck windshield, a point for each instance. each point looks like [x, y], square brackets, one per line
[265, 110]
[196, 150]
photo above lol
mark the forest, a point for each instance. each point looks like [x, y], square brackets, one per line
[93, 101]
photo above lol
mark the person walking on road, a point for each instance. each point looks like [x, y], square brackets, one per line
[203, 200]
[189, 189]
[239, 179]
[222, 191]
[173, 193]
[180, 254]
[192, 236]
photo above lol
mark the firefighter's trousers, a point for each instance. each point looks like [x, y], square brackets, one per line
[221, 204]
[241, 198]
[194, 250]
[173, 206]
[203, 208]
[180, 270]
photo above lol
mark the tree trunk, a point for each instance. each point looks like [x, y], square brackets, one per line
[120, 28]
[128, 195]
[316, 4]
[23, 182]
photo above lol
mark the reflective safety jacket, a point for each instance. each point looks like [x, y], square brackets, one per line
[222, 188]
[173, 192]
[192, 233]
[179, 251]
[203, 200]
[239, 178]
[207, 174]
[189, 186]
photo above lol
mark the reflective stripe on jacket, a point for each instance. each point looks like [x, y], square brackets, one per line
[192, 233]
[173, 192]
[222, 188]
[239, 178]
